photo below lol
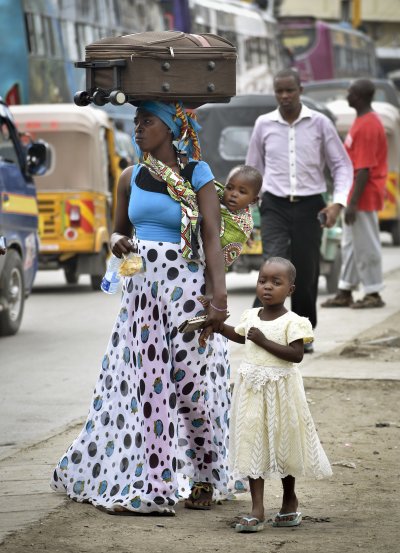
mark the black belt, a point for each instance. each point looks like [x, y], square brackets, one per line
[293, 199]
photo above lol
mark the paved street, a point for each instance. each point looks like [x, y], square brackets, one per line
[49, 368]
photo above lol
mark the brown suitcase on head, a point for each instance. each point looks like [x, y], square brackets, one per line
[165, 66]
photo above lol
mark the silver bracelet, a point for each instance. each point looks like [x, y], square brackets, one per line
[218, 309]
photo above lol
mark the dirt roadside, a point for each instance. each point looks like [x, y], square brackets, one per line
[356, 510]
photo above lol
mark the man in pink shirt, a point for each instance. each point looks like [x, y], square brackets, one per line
[361, 247]
[291, 147]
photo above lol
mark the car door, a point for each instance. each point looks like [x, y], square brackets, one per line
[18, 206]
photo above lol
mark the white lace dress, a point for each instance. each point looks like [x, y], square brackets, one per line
[272, 433]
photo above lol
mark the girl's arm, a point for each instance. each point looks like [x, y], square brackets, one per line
[122, 227]
[225, 330]
[229, 332]
[209, 208]
[293, 352]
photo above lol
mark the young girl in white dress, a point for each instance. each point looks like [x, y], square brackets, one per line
[272, 434]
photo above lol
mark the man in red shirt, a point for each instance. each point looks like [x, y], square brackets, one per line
[361, 247]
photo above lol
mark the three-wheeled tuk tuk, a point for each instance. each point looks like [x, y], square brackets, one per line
[225, 136]
[389, 217]
[76, 197]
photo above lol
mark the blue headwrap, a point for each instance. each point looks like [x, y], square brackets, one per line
[177, 123]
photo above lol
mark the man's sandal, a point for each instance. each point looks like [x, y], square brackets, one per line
[340, 300]
[369, 301]
[200, 496]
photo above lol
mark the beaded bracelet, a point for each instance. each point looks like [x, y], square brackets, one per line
[218, 309]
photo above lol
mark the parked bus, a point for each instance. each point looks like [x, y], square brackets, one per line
[253, 31]
[324, 50]
[42, 40]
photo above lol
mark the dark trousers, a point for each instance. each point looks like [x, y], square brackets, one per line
[292, 230]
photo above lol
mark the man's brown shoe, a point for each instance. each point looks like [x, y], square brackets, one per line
[370, 300]
[340, 300]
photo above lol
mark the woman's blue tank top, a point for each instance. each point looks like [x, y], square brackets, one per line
[154, 214]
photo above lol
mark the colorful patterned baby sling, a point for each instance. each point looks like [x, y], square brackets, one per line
[235, 227]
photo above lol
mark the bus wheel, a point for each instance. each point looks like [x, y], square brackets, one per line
[71, 273]
[12, 286]
[395, 232]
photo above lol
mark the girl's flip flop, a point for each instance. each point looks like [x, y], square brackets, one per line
[287, 519]
[257, 527]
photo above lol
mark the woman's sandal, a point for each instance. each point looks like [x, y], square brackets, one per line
[200, 496]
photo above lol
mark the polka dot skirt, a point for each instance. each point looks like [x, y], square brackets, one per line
[159, 414]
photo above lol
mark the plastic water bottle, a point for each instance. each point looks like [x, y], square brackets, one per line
[111, 279]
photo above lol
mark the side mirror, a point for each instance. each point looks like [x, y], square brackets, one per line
[38, 158]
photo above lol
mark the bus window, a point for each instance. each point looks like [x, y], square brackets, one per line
[253, 53]
[69, 40]
[85, 35]
[53, 48]
[36, 34]
[300, 40]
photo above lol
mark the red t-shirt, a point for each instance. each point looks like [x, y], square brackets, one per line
[367, 147]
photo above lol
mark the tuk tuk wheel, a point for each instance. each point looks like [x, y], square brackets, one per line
[395, 232]
[12, 289]
[71, 273]
[95, 280]
[332, 278]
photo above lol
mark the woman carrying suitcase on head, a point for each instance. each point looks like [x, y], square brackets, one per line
[157, 427]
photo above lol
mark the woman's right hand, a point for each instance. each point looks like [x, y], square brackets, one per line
[121, 244]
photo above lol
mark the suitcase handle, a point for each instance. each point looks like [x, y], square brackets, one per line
[100, 64]
[95, 94]
[201, 40]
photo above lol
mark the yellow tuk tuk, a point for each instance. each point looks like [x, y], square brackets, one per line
[389, 217]
[76, 196]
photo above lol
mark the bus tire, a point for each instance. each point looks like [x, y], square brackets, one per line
[13, 292]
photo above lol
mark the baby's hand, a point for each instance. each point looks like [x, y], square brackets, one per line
[204, 300]
[250, 240]
[256, 336]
